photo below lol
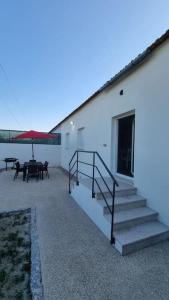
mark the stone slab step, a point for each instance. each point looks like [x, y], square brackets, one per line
[124, 188]
[119, 193]
[131, 217]
[123, 203]
[140, 236]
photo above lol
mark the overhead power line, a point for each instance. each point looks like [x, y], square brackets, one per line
[12, 93]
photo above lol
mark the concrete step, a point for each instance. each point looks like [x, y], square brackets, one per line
[135, 225]
[119, 193]
[131, 217]
[140, 236]
[124, 188]
[123, 203]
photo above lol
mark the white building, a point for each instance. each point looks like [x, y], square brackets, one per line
[127, 122]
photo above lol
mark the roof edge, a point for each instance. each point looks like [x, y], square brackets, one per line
[127, 69]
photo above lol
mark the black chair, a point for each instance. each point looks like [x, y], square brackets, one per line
[18, 169]
[32, 171]
[40, 168]
[45, 168]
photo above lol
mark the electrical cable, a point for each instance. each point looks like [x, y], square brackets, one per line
[12, 93]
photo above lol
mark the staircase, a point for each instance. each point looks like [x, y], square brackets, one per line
[135, 225]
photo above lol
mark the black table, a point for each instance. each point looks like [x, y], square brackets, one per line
[9, 160]
[37, 163]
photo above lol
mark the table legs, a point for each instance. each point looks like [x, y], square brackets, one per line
[24, 174]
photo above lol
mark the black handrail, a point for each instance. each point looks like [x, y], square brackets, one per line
[91, 165]
[94, 167]
[72, 157]
[73, 166]
[107, 169]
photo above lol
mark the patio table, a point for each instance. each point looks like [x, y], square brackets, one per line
[37, 163]
[9, 160]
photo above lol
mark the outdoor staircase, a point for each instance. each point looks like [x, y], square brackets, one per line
[135, 225]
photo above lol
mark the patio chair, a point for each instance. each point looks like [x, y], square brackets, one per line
[18, 169]
[32, 171]
[45, 168]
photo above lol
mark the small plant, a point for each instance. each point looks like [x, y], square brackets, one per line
[19, 295]
[12, 252]
[27, 244]
[18, 260]
[24, 220]
[20, 241]
[14, 261]
[27, 256]
[12, 236]
[2, 228]
[1, 294]
[20, 220]
[3, 253]
[17, 216]
[3, 276]
[19, 278]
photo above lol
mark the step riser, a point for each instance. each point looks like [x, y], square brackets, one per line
[125, 206]
[121, 193]
[144, 243]
[133, 222]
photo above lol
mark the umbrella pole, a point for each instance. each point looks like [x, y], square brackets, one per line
[32, 150]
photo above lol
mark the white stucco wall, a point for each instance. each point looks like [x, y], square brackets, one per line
[146, 91]
[23, 152]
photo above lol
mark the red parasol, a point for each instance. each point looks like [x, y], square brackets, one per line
[34, 135]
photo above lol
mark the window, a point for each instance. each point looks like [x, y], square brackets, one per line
[80, 138]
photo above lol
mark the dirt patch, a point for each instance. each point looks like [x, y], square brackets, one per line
[15, 255]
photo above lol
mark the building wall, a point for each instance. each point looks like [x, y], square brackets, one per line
[23, 152]
[146, 92]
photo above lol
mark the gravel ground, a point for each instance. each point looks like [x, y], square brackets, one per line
[15, 255]
[77, 260]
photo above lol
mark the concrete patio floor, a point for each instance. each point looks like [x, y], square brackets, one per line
[77, 260]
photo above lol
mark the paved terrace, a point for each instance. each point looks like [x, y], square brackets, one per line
[77, 260]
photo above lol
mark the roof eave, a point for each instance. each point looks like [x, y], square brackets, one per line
[120, 75]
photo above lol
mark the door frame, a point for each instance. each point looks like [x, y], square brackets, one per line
[114, 144]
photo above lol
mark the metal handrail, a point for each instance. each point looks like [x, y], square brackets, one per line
[72, 175]
[84, 163]
[72, 157]
[73, 166]
[99, 189]
[93, 165]
[104, 164]
[104, 181]
[107, 169]
[108, 206]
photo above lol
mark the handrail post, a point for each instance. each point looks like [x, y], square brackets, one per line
[112, 240]
[93, 177]
[69, 181]
[77, 172]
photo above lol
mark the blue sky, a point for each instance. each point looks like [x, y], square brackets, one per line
[55, 53]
